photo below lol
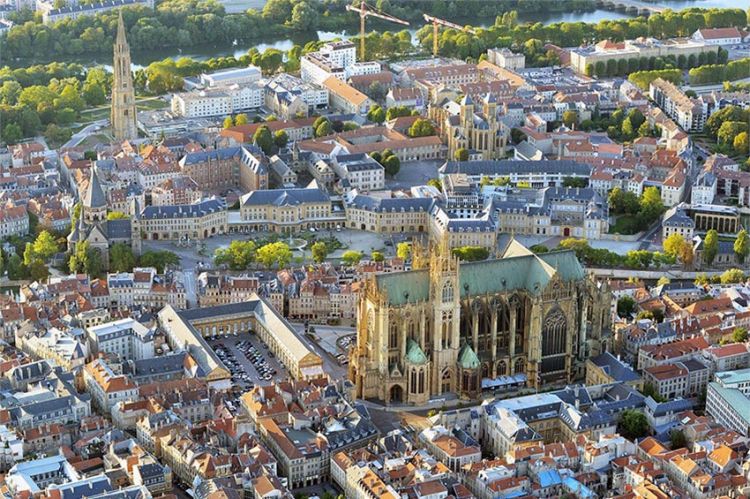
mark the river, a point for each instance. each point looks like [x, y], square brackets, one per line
[201, 53]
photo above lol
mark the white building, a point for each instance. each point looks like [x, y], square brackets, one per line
[360, 171]
[51, 15]
[11, 447]
[14, 221]
[35, 476]
[718, 36]
[235, 76]
[127, 338]
[107, 388]
[705, 188]
[337, 59]
[217, 101]
[727, 400]
[689, 113]
[281, 90]
[506, 59]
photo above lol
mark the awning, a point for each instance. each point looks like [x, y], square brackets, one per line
[501, 381]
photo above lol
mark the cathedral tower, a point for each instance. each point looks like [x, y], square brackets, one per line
[123, 95]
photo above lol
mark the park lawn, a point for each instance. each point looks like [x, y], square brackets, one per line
[625, 225]
[151, 103]
[102, 112]
[94, 114]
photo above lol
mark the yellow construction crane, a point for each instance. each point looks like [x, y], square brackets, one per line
[442, 22]
[364, 11]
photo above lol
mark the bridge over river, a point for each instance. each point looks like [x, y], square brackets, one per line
[632, 6]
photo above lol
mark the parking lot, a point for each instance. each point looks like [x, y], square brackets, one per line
[248, 359]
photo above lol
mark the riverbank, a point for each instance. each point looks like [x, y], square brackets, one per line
[283, 37]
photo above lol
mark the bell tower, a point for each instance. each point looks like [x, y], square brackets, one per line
[123, 94]
[445, 297]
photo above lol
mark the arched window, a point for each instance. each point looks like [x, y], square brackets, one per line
[393, 335]
[446, 381]
[554, 333]
[447, 292]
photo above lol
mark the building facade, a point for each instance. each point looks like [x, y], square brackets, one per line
[475, 128]
[445, 326]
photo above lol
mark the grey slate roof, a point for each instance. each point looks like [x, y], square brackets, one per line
[94, 195]
[284, 197]
[674, 406]
[615, 367]
[184, 211]
[118, 229]
[371, 203]
[212, 155]
[507, 167]
[164, 364]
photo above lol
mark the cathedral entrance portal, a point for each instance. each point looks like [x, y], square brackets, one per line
[397, 394]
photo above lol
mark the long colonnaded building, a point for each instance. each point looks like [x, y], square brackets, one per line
[187, 330]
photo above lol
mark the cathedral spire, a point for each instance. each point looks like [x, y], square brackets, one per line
[121, 39]
[123, 95]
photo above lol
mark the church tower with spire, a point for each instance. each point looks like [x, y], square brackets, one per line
[123, 95]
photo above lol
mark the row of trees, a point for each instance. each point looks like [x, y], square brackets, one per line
[643, 79]
[741, 246]
[599, 257]
[723, 71]
[623, 67]
[379, 114]
[471, 253]
[681, 248]
[241, 255]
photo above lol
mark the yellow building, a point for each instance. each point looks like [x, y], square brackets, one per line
[286, 210]
[182, 222]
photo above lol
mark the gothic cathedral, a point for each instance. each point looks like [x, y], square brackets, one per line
[446, 326]
[123, 95]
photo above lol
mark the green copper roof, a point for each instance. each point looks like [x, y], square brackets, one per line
[565, 262]
[529, 272]
[467, 359]
[520, 271]
[414, 354]
[414, 283]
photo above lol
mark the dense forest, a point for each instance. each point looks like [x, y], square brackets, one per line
[187, 23]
